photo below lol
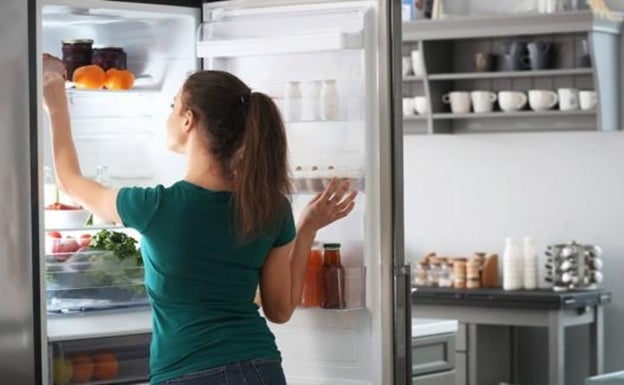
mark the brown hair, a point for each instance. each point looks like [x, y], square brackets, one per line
[246, 134]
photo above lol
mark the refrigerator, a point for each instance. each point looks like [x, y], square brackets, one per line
[331, 68]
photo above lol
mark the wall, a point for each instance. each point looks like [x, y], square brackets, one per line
[465, 193]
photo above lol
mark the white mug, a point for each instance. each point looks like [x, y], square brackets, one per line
[406, 63]
[588, 100]
[541, 100]
[511, 100]
[459, 101]
[483, 101]
[421, 105]
[418, 64]
[568, 99]
[408, 106]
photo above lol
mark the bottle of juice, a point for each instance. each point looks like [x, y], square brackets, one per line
[333, 276]
[312, 286]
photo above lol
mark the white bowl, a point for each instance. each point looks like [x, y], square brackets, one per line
[65, 219]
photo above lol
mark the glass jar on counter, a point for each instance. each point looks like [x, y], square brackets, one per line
[419, 274]
[110, 57]
[445, 274]
[434, 273]
[76, 53]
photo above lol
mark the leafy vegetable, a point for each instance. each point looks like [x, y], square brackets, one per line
[123, 246]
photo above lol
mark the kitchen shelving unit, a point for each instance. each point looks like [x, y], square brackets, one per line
[449, 45]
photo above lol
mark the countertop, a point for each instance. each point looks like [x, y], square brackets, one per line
[422, 327]
[527, 299]
[99, 324]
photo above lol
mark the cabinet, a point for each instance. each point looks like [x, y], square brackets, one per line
[583, 55]
[433, 360]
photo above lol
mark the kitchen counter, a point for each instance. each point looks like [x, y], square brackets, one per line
[422, 327]
[99, 324]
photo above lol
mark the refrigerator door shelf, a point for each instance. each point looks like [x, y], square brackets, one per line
[317, 185]
[331, 41]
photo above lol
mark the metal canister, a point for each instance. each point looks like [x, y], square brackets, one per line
[76, 53]
[110, 57]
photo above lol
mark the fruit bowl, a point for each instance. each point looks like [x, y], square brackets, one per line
[65, 219]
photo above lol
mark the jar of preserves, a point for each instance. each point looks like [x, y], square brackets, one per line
[333, 276]
[445, 274]
[76, 53]
[434, 273]
[110, 57]
[312, 284]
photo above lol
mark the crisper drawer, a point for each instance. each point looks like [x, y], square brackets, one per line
[115, 360]
[92, 279]
[433, 354]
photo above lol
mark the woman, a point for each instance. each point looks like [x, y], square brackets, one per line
[210, 239]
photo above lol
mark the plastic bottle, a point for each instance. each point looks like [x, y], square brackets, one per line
[329, 100]
[512, 265]
[292, 101]
[530, 263]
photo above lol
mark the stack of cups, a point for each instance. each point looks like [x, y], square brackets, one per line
[512, 265]
[459, 273]
[530, 263]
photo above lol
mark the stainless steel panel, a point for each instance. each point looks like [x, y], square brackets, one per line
[19, 341]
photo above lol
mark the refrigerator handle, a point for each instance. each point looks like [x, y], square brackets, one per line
[402, 325]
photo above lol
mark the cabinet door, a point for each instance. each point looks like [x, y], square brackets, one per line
[110, 360]
[461, 369]
[445, 378]
[433, 354]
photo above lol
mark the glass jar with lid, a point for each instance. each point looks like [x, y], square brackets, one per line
[419, 274]
[445, 273]
[76, 53]
[110, 57]
[333, 276]
[434, 272]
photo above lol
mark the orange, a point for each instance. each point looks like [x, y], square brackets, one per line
[89, 77]
[83, 368]
[106, 366]
[119, 79]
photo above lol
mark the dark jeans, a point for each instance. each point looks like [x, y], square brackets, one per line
[253, 372]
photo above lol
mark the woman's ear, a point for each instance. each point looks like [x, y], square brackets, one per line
[189, 122]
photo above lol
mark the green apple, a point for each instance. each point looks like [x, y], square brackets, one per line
[63, 371]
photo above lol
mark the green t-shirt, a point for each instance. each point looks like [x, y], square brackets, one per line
[200, 280]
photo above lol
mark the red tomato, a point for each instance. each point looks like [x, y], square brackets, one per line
[54, 234]
[85, 239]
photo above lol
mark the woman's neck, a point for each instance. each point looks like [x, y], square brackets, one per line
[203, 170]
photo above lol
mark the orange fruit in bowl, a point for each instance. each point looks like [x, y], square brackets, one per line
[89, 77]
[106, 366]
[119, 79]
[83, 368]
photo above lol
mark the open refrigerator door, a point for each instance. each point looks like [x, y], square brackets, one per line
[320, 63]
[96, 310]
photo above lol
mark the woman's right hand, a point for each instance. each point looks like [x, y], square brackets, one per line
[335, 203]
[54, 97]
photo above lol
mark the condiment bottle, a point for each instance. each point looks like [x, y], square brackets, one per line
[333, 275]
[292, 101]
[530, 263]
[313, 285]
[329, 100]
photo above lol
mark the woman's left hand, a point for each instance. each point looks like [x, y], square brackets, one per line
[335, 203]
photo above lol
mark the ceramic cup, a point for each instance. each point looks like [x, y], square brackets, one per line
[408, 106]
[568, 99]
[418, 64]
[509, 101]
[459, 101]
[482, 101]
[541, 100]
[406, 63]
[421, 105]
[588, 100]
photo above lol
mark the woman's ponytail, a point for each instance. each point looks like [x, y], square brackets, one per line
[260, 168]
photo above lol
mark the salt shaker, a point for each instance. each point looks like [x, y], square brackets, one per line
[292, 101]
[329, 100]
